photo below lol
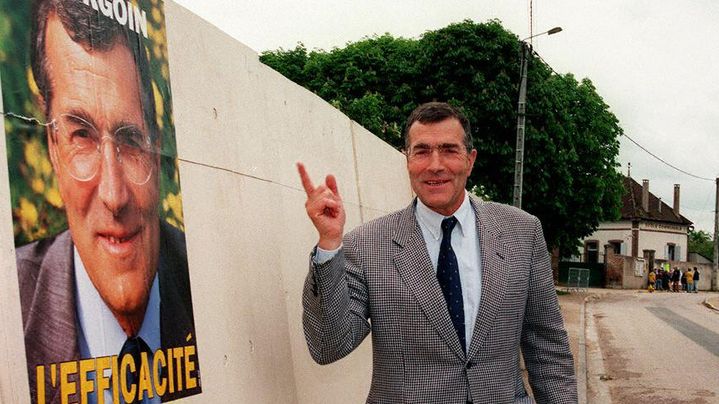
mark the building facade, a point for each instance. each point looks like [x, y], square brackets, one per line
[648, 228]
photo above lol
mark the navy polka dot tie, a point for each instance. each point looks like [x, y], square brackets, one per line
[448, 277]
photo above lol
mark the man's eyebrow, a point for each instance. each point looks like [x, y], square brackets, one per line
[440, 145]
[82, 114]
[85, 116]
[127, 124]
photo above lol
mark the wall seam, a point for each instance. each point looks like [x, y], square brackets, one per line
[355, 161]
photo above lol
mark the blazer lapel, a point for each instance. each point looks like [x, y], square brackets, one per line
[415, 268]
[494, 254]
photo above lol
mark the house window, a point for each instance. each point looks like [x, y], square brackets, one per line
[591, 252]
[616, 246]
[671, 252]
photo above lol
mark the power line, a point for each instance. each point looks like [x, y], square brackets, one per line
[632, 140]
[666, 162]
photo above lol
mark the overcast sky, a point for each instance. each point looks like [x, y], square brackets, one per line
[654, 62]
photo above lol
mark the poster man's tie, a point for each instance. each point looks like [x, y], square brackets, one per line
[134, 346]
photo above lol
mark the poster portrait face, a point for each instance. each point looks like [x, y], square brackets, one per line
[95, 195]
[106, 169]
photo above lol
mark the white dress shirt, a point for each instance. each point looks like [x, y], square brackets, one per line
[100, 334]
[465, 243]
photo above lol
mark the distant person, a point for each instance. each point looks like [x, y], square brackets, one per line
[689, 276]
[696, 279]
[684, 281]
[651, 280]
[658, 279]
[676, 278]
[666, 280]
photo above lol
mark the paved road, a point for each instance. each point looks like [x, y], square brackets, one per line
[652, 348]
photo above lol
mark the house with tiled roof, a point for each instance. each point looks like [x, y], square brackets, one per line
[648, 228]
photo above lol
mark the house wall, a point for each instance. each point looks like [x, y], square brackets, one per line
[652, 236]
[655, 236]
[612, 231]
[240, 129]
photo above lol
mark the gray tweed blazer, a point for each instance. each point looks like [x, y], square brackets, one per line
[382, 281]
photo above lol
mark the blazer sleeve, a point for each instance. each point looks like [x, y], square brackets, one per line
[335, 305]
[545, 345]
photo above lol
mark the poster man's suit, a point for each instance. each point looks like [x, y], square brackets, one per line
[47, 294]
[383, 281]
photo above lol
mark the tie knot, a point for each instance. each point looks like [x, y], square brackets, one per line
[448, 224]
[134, 346]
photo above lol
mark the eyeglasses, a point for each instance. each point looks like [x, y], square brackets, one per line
[445, 151]
[80, 146]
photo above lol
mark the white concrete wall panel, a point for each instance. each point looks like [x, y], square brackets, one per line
[382, 186]
[248, 235]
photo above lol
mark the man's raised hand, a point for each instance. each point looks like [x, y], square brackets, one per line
[325, 209]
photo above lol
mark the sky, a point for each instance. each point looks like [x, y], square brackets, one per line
[654, 63]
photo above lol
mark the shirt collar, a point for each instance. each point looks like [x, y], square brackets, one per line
[101, 332]
[433, 220]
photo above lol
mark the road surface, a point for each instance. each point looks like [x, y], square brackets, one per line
[647, 348]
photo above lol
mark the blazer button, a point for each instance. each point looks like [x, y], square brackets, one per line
[468, 365]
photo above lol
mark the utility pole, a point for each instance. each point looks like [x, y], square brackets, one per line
[715, 274]
[521, 118]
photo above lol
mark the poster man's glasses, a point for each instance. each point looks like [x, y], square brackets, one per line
[80, 148]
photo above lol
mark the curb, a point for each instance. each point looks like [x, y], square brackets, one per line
[583, 376]
[710, 305]
[594, 358]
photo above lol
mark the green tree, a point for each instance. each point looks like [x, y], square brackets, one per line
[571, 139]
[701, 242]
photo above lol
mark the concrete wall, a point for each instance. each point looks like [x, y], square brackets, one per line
[621, 272]
[705, 271]
[240, 129]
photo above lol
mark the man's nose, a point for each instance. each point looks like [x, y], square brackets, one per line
[112, 189]
[435, 160]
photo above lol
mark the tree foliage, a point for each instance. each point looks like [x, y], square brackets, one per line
[701, 242]
[571, 139]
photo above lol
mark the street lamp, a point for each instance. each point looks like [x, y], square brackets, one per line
[521, 108]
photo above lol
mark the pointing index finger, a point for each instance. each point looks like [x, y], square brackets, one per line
[305, 178]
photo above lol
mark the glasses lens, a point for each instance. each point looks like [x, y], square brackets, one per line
[136, 153]
[78, 146]
[79, 143]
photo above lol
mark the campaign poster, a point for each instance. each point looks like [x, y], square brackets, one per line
[96, 203]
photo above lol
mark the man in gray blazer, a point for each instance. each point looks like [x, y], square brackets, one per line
[451, 287]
